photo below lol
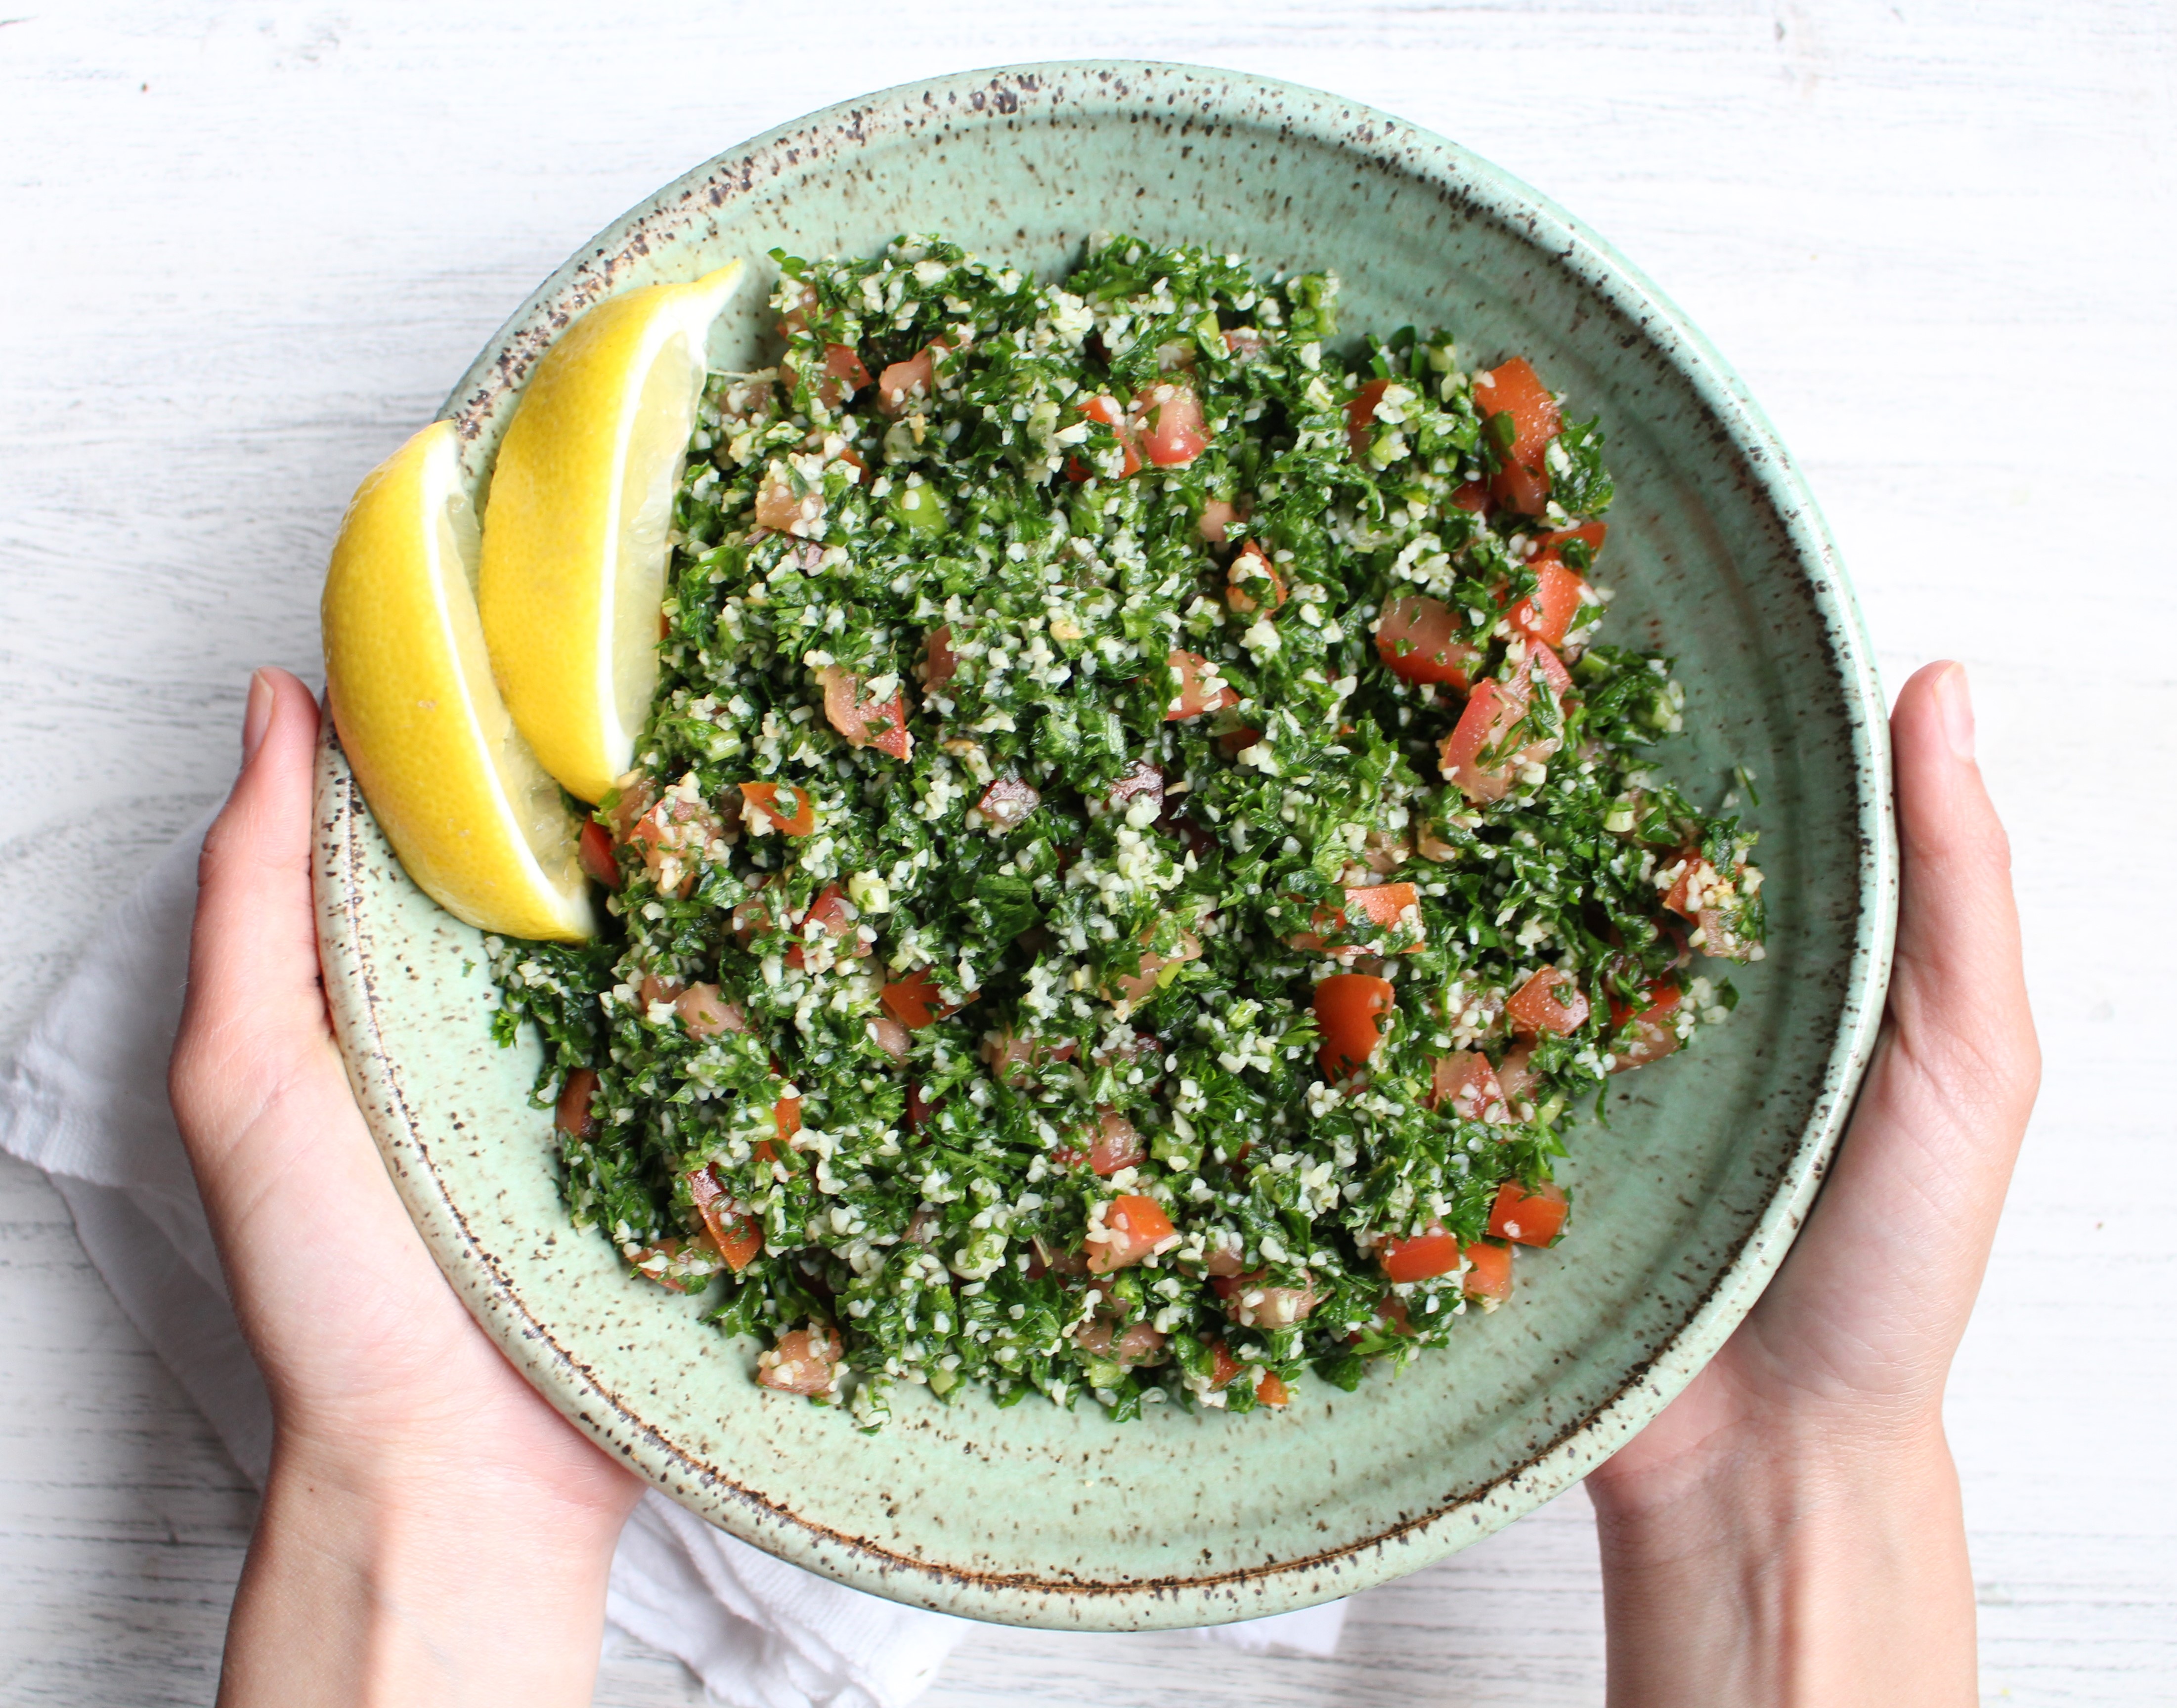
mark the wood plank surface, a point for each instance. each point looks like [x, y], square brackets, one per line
[248, 251]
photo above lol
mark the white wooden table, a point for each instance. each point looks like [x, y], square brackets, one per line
[246, 255]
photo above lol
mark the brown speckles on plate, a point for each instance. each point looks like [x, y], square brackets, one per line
[1035, 1516]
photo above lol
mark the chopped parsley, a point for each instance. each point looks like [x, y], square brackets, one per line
[1080, 702]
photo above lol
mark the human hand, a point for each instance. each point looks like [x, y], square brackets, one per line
[1789, 1529]
[432, 1531]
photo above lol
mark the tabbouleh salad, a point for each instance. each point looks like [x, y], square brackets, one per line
[1138, 849]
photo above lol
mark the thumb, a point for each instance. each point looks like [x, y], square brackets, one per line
[255, 1010]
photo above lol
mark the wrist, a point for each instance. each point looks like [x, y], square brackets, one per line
[1823, 1568]
[398, 1577]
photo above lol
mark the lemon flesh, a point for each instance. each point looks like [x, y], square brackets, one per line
[477, 821]
[575, 532]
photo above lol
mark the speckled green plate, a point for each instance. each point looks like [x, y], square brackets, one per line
[1687, 1203]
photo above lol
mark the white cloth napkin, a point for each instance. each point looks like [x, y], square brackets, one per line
[86, 1101]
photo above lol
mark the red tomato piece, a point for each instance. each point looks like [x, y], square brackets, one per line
[866, 722]
[1488, 1273]
[1245, 343]
[1653, 1036]
[597, 855]
[1550, 1001]
[1140, 985]
[786, 1118]
[1361, 416]
[1133, 1228]
[914, 1001]
[804, 1362]
[790, 809]
[1523, 484]
[889, 1036]
[1253, 581]
[1118, 1145]
[1252, 1305]
[783, 511]
[1174, 433]
[939, 659]
[738, 1236]
[705, 1014]
[1528, 1218]
[1271, 1390]
[1417, 637]
[1549, 611]
[573, 1117]
[1350, 1012]
[832, 912]
[1108, 412]
[1224, 1366]
[843, 374]
[1216, 520]
[1007, 802]
[1384, 905]
[1420, 1258]
[904, 384]
[1474, 756]
[1465, 1081]
[1191, 693]
[1515, 1077]
[1472, 496]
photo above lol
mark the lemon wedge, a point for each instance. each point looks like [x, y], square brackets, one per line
[476, 820]
[576, 527]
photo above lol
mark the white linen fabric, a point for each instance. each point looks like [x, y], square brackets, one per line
[85, 1100]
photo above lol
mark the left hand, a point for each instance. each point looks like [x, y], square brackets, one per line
[432, 1528]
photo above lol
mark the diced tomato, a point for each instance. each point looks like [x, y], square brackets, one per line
[781, 509]
[1140, 781]
[1523, 484]
[939, 660]
[843, 374]
[774, 799]
[1108, 412]
[1550, 1001]
[1472, 496]
[1118, 1145]
[1420, 1258]
[1140, 985]
[1008, 1054]
[632, 796]
[1361, 416]
[1007, 802]
[598, 858]
[1474, 754]
[1384, 905]
[1174, 433]
[786, 1118]
[866, 722]
[796, 319]
[1192, 695]
[706, 1014]
[1467, 1082]
[1351, 1009]
[1216, 519]
[919, 1108]
[1133, 1228]
[1548, 612]
[738, 1236]
[1489, 1272]
[1246, 343]
[1529, 1219]
[1706, 896]
[914, 1001]
[1653, 1036]
[889, 1036]
[1416, 638]
[1234, 742]
[804, 1362]
[1252, 1305]
[834, 914]
[904, 384]
[1136, 1344]
[1271, 1390]
[573, 1115]
[1223, 1367]
[1253, 581]
[673, 835]
[651, 990]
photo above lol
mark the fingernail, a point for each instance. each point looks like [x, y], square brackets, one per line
[1955, 697]
[256, 715]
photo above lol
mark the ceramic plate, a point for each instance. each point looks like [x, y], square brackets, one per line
[1687, 1201]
